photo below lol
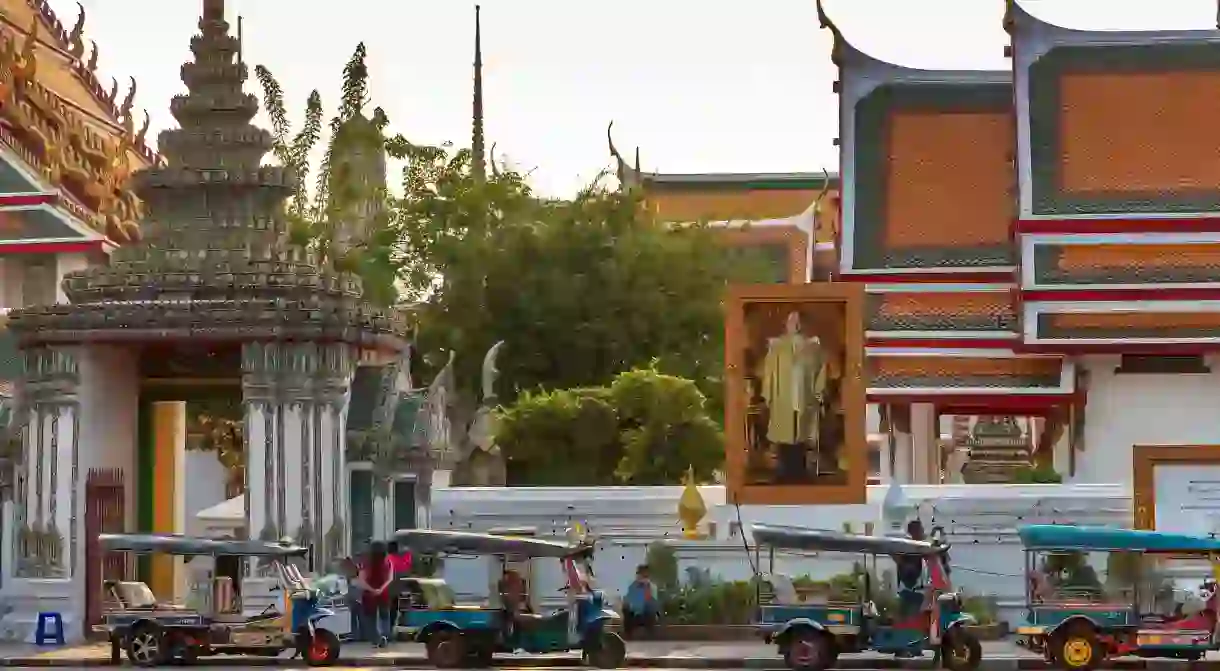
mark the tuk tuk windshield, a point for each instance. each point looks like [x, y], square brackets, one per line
[1158, 574]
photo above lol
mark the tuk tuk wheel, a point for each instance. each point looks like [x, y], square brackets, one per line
[608, 651]
[808, 650]
[146, 646]
[1078, 649]
[962, 651]
[321, 649]
[446, 649]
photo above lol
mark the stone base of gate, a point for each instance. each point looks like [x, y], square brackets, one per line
[22, 599]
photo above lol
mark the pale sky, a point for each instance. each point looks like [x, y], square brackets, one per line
[699, 85]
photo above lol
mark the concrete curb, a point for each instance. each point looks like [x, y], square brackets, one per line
[639, 661]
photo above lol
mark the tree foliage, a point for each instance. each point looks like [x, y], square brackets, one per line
[644, 428]
[580, 290]
[340, 196]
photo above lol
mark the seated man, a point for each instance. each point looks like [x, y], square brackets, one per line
[640, 609]
[909, 570]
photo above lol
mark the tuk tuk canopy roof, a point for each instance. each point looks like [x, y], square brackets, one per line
[464, 542]
[1068, 537]
[800, 538]
[176, 544]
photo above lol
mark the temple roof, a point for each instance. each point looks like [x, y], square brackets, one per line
[216, 261]
[72, 133]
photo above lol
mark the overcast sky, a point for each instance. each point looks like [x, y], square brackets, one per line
[699, 85]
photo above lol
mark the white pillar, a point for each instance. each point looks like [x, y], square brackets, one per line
[50, 445]
[258, 391]
[925, 444]
[296, 409]
[903, 472]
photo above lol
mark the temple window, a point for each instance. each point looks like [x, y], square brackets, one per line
[1163, 364]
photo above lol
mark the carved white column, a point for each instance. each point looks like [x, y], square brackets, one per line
[296, 408]
[332, 392]
[48, 474]
[259, 361]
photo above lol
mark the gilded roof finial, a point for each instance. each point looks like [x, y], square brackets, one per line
[836, 49]
[478, 158]
[143, 134]
[27, 62]
[128, 103]
[113, 96]
[76, 44]
[92, 65]
[817, 203]
[1010, 15]
[627, 176]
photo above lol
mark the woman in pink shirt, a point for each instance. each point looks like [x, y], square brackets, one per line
[400, 564]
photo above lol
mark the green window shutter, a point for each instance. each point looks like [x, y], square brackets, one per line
[360, 503]
[404, 504]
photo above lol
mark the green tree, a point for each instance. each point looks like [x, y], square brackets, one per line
[346, 192]
[580, 290]
[644, 428]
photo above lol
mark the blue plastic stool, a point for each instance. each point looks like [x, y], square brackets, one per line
[42, 637]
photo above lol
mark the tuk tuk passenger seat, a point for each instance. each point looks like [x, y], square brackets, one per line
[133, 595]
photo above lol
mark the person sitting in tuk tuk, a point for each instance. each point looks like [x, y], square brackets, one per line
[640, 610]
[909, 571]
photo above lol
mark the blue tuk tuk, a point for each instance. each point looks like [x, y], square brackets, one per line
[1078, 624]
[458, 635]
[811, 635]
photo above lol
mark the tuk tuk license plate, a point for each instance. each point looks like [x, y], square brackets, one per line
[251, 639]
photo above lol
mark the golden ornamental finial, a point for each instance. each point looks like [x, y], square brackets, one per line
[113, 96]
[27, 62]
[817, 202]
[92, 65]
[76, 44]
[143, 134]
[128, 103]
[691, 507]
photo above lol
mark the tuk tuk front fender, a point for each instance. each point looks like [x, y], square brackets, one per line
[962, 620]
[1075, 620]
[422, 635]
[796, 623]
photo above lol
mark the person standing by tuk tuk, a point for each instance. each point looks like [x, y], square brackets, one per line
[378, 574]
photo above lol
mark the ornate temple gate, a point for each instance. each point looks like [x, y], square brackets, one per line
[104, 512]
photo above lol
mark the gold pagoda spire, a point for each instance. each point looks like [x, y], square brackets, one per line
[478, 157]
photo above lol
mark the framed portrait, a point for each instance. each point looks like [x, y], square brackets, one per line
[795, 394]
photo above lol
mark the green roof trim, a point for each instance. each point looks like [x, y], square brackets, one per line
[872, 172]
[1044, 107]
[746, 181]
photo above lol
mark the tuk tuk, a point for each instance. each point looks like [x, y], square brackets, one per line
[154, 633]
[458, 635]
[811, 634]
[1077, 623]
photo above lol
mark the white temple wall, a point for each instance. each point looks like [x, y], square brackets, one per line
[109, 406]
[1143, 409]
[204, 487]
[980, 521]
